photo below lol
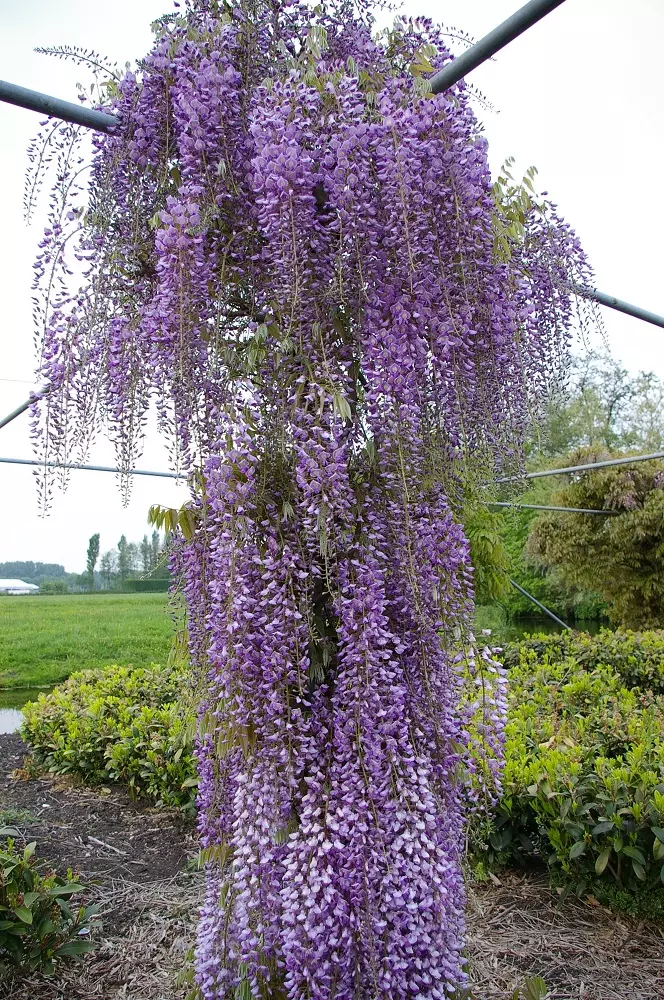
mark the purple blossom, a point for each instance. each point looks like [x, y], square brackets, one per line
[289, 250]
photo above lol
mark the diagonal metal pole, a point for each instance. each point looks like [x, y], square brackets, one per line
[497, 39]
[630, 460]
[10, 93]
[16, 413]
[90, 468]
[539, 605]
[619, 305]
[539, 506]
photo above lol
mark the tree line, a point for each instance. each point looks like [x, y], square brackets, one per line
[113, 569]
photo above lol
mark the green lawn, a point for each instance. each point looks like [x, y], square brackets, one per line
[44, 639]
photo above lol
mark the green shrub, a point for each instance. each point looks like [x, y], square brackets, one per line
[119, 724]
[637, 657]
[38, 924]
[583, 787]
[53, 587]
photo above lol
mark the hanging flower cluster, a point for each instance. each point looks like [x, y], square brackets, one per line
[290, 247]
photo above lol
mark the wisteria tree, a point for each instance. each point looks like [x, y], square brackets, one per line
[293, 250]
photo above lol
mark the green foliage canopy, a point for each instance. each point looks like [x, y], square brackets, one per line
[621, 556]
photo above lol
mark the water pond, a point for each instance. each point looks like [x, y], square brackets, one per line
[512, 631]
[11, 703]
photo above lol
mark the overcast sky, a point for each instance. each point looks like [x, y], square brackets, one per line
[580, 96]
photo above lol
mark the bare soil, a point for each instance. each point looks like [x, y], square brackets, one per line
[136, 860]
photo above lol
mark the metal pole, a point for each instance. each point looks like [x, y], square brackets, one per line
[492, 43]
[16, 413]
[582, 468]
[539, 506]
[540, 606]
[90, 468]
[55, 108]
[619, 305]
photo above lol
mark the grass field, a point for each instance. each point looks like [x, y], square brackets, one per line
[44, 639]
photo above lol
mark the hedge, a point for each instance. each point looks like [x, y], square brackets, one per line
[120, 724]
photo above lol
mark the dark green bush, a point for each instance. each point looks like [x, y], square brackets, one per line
[147, 586]
[38, 924]
[583, 788]
[53, 587]
[119, 724]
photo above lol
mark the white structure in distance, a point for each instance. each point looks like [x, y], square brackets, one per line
[17, 587]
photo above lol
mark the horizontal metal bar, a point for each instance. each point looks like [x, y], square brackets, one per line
[492, 43]
[630, 460]
[55, 108]
[539, 605]
[89, 468]
[16, 413]
[619, 305]
[540, 506]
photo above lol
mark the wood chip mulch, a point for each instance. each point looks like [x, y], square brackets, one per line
[581, 950]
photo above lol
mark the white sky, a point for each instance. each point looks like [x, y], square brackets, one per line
[580, 95]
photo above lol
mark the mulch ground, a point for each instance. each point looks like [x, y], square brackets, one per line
[582, 951]
[136, 860]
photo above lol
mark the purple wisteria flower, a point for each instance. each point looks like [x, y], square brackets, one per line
[291, 249]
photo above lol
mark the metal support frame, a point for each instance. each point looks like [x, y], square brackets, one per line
[629, 460]
[619, 305]
[506, 32]
[534, 600]
[16, 413]
[497, 39]
[540, 506]
[90, 468]
[10, 93]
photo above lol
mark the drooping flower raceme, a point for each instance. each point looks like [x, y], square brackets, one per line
[290, 248]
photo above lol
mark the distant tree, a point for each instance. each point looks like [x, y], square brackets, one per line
[155, 545]
[124, 559]
[93, 555]
[603, 407]
[31, 572]
[53, 587]
[643, 423]
[134, 555]
[146, 554]
[108, 568]
[621, 555]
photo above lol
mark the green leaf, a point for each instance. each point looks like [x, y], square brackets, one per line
[639, 870]
[75, 948]
[602, 860]
[535, 989]
[24, 914]
[635, 853]
[659, 833]
[341, 405]
[604, 827]
[577, 849]
[66, 890]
